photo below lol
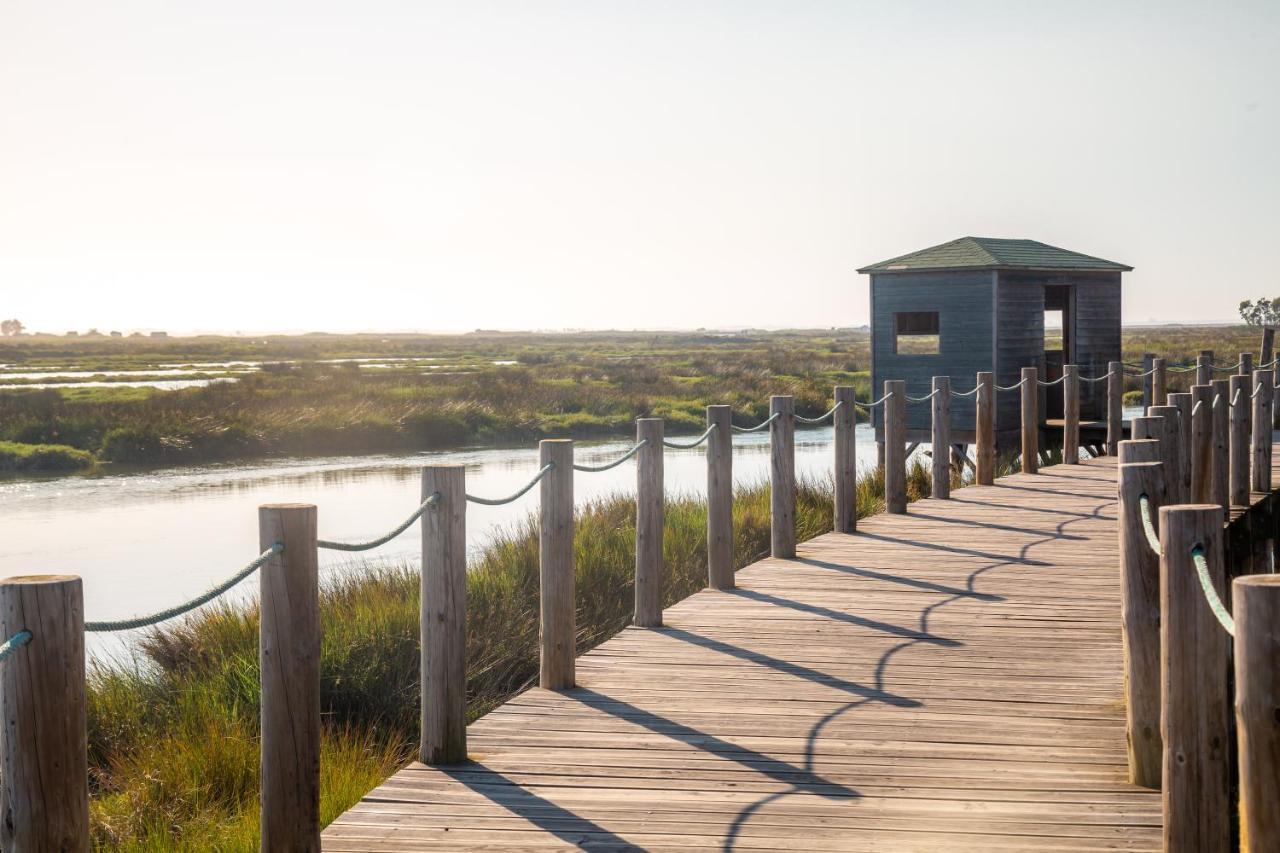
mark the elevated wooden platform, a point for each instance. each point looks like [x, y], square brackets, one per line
[945, 680]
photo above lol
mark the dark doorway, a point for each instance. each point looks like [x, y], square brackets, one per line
[1059, 334]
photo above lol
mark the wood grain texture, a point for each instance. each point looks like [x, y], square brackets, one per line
[1204, 367]
[1070, 414]
[1148, 381]
[557, 634]
[949, 679]
[1115, 406]
[1260, 470]
[1171, 452]
[895, 446]
[44, 781]
[844, 427]
[985, 428]
[1256, 607]
[1201, 451]
[782, 476]
[444, 616]
[1220, 474]
[941, 438]
[650, 579]
[1238, 449]
[720, 497]
[1030, 393]
[1159, 383]
[289, 660]
[1181, 401]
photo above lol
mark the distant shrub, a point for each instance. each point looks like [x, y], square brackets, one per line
[15, 456]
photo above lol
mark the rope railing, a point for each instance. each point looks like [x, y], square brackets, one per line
[187, 606]
[514, 496]
[14, 643]
[974, 390]
[925, 398]
[686, 445]
[1011, 387]
[596, 469]
[1104, 376]
[1184, 369]
[1232, 368]
[1044, 384]
[1257, 389]
[384, 538]
[820, 418]
[1236, 398]
[760, 425]
[875, 403]
[1210, 594]
[1143, 375]
[1144, 507]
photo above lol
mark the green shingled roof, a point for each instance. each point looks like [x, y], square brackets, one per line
[993, 253]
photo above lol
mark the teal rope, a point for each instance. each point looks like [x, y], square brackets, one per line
[14, 643]
[596, 469]
[384, 538]
[1210, 594]
[516, 495]
[1153, 540]
[163, 615]
[761, 425]
[685, 445]
[820, 418]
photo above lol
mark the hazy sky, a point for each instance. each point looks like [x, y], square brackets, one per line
[378, 165]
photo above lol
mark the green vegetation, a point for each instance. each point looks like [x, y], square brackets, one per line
[172, 739]
[27, 458]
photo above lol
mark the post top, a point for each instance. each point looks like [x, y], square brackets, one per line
[556, 441]
[1190, 508]
[289, 505]
[34, 580]
[1258, 580]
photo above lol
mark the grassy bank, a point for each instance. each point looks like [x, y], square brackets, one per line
[172, 740]
[33, 458]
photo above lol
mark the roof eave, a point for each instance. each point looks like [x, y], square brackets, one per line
[873, 270]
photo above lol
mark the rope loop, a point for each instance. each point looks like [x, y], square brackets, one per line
[432, 500]
[1210, 594]
[971, 391]
[542, 472]
[596, 469]
[1044, 384]
[1012, 387]
[14, 643]
[760, 425]
[1144, 506]
[820, 418]
[1106, 375]
[685, 445]
[925, 398]
[872, 405]
[187, 607]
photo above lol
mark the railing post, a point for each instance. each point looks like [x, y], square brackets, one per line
[444, 616]
[1261, 479]
[1115, 406]
[1256, 608]
[1140, 474]
[44, 774]
[1159, 383]
[1193, 685]
[895, 446]
[1238, 443]
[985, 429]
[1182, 402]
[844, 425]
[941, 436]
[650, 572]
[289, 660]
[1147, 426]
[782, 476]
[1071, 414]
[1220, 476]
[1204, 367]
[556, 617]
[1202, 444]
[1171, 453]
[1030, 420]
[1148, 381]
[1245, 366]
[720, 497]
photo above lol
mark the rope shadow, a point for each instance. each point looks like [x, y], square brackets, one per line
[847, 618]
[928, 586]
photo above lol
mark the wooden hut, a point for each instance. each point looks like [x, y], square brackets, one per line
[981, 303]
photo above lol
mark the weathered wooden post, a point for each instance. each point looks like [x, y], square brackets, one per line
[1204, 367]
[289, 660]
[1148, 381]
[720, 497]
[1146, 426]
[1245, 366]
[782, 471]
[895, 446]
[1173, 456]
[1261, 479]
[1030, 420]
[1159, 383]
[556, 616]
[985, 429]
[1115, 406]
[1193, 684]
[1219, 489]
[1202, 444]
[1140, 475]
[1182, 401]
[650, 572]
[444, 616]
[1256, 607]
[941, 437]
[1238, 441]
[845, 425]
[44, 773]
[1071, 414]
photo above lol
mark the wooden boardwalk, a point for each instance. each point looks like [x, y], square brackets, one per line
[949, 679]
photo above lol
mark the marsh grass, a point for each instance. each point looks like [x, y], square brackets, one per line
[173, 745]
